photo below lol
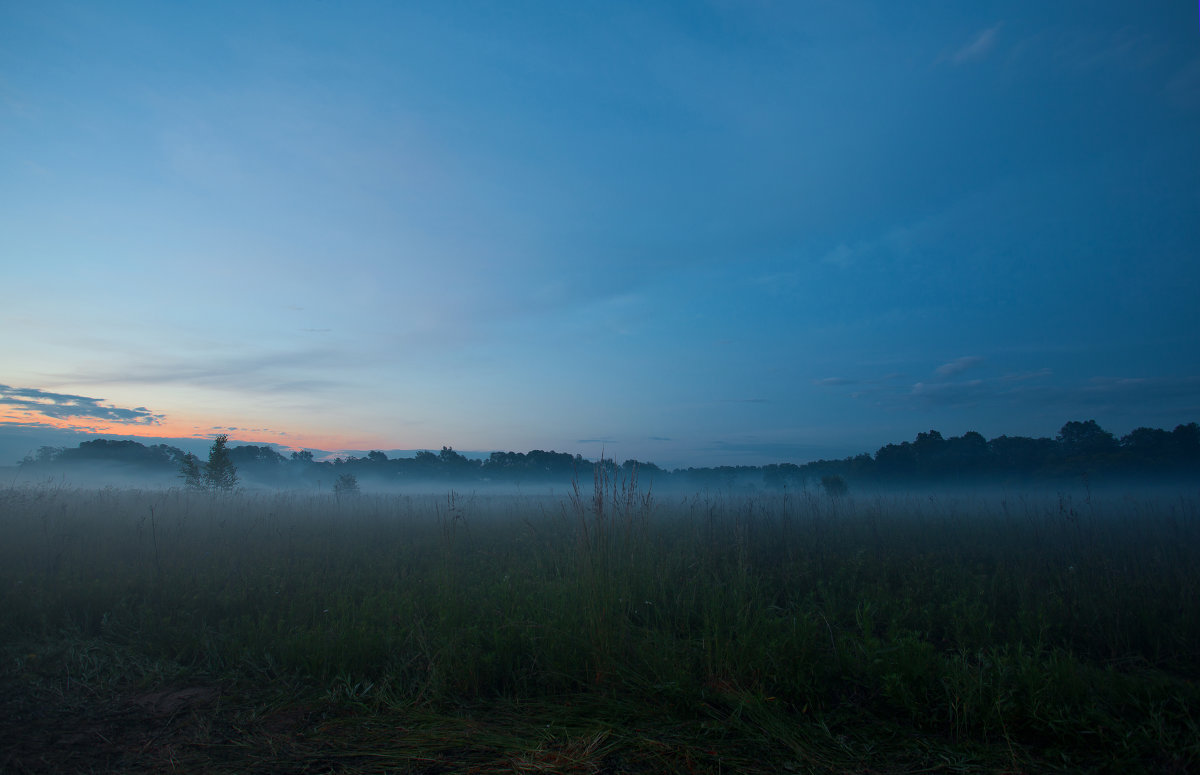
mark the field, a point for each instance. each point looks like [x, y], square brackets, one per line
[609, 630]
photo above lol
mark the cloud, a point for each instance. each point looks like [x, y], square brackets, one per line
[271, 373]
[1092, 49]
[871, 253]
[978, 48]
[1023, 389]
[1143, 397]
[958, 366]
[64, 405]
[951, 393]
[1017, 389]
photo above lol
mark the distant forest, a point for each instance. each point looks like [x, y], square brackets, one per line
[1081, 449]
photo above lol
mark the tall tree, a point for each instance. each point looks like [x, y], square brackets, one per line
[220, 473]
[1086, 440]
[189, 471]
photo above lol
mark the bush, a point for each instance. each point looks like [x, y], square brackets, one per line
[834, 486]
[219, 473]
[346, 484]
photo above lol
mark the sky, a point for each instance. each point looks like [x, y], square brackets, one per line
[694, 233]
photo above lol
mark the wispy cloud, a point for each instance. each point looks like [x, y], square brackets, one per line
[273, 373]
[868, 253]
[1125, 48]
[64, 405]
[958, 366]
[950, 393]
[978, 48]
[1018, 388]
[1104, 395]
[1087, 48]
[942, 389]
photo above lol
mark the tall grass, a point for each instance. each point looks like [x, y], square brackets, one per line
[1045, 624]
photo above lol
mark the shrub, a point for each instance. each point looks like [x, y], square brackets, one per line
[834, 486]
[346, 484]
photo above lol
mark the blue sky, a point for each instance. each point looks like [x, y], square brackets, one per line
[693, 233]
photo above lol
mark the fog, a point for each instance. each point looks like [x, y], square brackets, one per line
[1083, 461]
[1076, 492]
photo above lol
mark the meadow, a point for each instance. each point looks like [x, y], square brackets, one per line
[608, 630]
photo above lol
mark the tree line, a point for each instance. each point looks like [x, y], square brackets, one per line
[1080, 448]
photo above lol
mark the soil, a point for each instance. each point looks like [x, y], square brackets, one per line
[203, 728]
[136, 732]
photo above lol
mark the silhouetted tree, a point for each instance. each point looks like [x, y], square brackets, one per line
[250, 455]
[189, 471]
[48, 454]
[123, 451]
[966, 454]
[1086, 440]
[1187, 441]
[1021, 454]
[834, 486]
[645, 470]
[346, 484]
[1148, 448]
[220, 473]
[896, 460]
[930, 451]
[449, 457]
[43, 455]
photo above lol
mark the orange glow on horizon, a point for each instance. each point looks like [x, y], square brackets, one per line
[190, 428]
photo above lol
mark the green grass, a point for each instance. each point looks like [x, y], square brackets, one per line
[612, 631]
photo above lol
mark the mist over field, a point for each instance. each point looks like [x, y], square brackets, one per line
[715, 630]
[1082, 455]
[1014, 603]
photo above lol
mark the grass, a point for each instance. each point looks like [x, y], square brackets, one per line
[606, 631]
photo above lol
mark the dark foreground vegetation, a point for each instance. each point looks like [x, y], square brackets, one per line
[1081, 449]
[599, 633]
